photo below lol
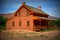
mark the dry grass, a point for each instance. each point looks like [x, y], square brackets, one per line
[29, 35]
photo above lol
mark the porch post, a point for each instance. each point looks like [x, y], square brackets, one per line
[47, 23]
[40, 21]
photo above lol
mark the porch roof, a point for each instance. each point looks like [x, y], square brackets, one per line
[36, 17]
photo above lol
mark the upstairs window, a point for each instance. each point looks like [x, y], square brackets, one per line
[27, 23]
[19, 14]
[20, 23]
[13, 24]
[27, 13]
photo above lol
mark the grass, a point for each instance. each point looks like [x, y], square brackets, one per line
[12, 35]
[57, 37]
[43, 36]
[47, 29]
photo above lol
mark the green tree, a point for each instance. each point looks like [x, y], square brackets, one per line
[2, 23]
[51, 23]
[57, 22]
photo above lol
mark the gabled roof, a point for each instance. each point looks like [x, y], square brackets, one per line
[30, 8]
[35, 9]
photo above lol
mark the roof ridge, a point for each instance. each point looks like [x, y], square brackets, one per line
[33, 7]
[36, 9]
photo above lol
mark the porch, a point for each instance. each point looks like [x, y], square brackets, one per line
[40, 22]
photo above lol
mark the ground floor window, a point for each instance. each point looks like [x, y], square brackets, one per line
[13, 23]
[20, 23]
[28, 23]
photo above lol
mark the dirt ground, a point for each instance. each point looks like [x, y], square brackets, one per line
[29, 35]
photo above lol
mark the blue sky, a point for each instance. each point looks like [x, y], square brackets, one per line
[51, 7]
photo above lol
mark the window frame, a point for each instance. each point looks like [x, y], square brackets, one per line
[19, 13]
[27, 13]
[13, 23]
[28, 23]
[19, 23]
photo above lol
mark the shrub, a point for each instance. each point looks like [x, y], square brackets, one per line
[47, 29]
[57, 22]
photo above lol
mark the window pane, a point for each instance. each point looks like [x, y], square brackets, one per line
[27, 23]
[19, 14]
[19, 23]
[27, 13]
[13, 24]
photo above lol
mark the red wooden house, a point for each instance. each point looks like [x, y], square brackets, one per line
[28, 18]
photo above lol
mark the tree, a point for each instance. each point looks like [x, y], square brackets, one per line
[57, 22]
[51, 23]
[2, 23]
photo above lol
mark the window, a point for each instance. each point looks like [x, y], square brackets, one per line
[27, 23]
[27, 13]
[19, 14]
[13, 23]
[20, 23]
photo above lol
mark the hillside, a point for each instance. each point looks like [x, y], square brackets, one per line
[7, 15]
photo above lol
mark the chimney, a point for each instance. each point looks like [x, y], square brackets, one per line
[23, 3]
[39, 7]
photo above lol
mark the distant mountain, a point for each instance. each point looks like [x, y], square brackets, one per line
[7, 15]
[52, 17]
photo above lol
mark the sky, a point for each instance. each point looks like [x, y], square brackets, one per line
[51, 7]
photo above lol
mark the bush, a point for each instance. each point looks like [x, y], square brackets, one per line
[47, 29]
[2, 27]
[57, 22]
